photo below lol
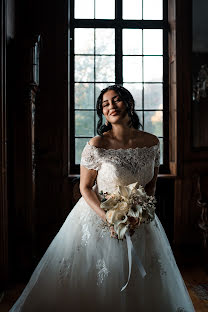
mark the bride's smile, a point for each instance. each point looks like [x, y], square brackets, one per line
[114, 109]
[114, 112]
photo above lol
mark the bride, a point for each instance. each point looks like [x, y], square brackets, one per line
[86, 266]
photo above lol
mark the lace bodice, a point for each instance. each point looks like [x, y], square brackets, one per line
[121, 166]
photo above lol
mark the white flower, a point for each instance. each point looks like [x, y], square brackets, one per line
[119, 220]
[119, 217]
[120, 229]
[110, 203]
[120, 223]
[135, 211]
[113, 216]
[110, 216]
[123, 191]
[127, 191]
[122, 206]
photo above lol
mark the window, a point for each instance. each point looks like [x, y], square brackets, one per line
[123, 42]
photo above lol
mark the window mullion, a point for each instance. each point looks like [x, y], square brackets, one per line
[118, 9]
[118, 43]
[94, 79]
[118, 56]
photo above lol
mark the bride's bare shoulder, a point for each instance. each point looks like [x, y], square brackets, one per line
[99, 141]
[148, 139]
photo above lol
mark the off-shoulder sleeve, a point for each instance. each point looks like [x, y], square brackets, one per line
[157, 157]
[89, 158]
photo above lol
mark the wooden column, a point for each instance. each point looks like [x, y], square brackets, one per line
[189, 161]
[52, 124]
[3, 152]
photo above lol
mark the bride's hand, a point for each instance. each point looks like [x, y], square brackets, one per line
[111, 228]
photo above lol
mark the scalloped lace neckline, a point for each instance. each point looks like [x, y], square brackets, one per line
[123, 149]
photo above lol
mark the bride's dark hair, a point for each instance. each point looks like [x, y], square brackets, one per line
[127, 98]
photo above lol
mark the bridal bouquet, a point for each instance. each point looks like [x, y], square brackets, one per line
[127, 208]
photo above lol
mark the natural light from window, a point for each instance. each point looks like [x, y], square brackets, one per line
[94, 63]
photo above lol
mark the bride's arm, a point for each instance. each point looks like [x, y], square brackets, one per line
[87, 179]
[151, 186]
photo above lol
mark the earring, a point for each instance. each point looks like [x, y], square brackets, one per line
[132, 109]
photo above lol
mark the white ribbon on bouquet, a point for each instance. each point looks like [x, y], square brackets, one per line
[131, 252]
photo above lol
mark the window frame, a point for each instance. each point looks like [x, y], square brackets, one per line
[118, 24]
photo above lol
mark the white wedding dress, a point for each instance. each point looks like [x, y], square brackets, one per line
[84, 268]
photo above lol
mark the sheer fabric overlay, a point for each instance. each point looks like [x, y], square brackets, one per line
[84, 269]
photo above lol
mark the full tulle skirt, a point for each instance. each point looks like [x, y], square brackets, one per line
[84, 269]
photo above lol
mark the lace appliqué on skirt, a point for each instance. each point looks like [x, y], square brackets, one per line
[64, 271]
[102, 271]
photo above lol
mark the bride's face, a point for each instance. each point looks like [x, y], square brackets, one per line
[114, 109]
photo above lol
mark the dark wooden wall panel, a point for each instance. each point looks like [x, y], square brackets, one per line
[52, 123]
[3, 151]
[34, 223]
[190, 162]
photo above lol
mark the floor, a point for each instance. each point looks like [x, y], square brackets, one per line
[193, 265]
[193, 270]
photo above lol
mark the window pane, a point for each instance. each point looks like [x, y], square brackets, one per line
[136, 91]
[153, 9]
[96, 121]
[84, 68]
[153, 96]
[79, 145]
[132, 68]
[105, 41]
[84, 41]
[132, 41]
[84, 95]
[105, 68]
[105, 9]
[84, 123]
[153, 68]
[153, 122]
[140, 114]
[99, 87]
[84, 9]
[153, 41]
[132, 9]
